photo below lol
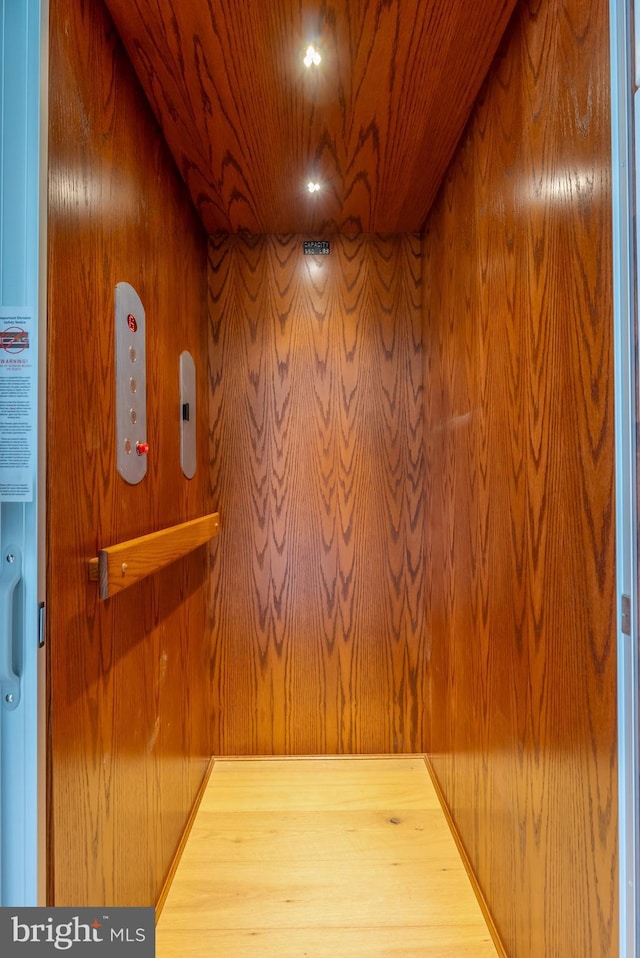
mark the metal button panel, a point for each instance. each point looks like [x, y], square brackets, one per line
[131, 385]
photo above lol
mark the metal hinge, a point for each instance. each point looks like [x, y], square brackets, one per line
[625, 623]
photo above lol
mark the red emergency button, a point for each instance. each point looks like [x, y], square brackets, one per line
[142, 448]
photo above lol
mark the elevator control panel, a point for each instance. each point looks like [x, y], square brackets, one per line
[187, 414]
[132, 444]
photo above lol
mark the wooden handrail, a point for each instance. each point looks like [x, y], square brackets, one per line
[117, 567]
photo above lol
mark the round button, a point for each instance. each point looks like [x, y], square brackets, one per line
[142, 448]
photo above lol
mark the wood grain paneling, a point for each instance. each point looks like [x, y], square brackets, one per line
[520, 495]
[128, 678]
[317, 469]
[377, 123]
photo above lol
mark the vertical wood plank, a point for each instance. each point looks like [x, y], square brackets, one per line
[128, 693]
[317, 467]
[520, 495]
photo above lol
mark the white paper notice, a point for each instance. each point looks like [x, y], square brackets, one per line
[17, 405]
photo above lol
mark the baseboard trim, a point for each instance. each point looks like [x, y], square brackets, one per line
[183, 841]
[343, 756]
[486, 911]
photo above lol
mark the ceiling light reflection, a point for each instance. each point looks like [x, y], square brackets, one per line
[312, 57]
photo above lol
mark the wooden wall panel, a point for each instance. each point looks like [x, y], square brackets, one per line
[128, 678]
[518, 372]
[317, 470]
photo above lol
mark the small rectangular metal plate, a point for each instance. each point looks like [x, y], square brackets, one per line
[188, 414]
[316, 247]
[626, 615]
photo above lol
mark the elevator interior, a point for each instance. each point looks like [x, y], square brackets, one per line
[409, 441]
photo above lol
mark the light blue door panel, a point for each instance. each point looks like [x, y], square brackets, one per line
[20, 201]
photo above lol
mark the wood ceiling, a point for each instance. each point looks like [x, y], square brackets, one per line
[249, 125]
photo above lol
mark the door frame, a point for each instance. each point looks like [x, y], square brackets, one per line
[624, 181]
[43, 709]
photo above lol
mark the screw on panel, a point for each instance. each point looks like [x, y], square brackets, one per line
[11, 557]
[9, 699]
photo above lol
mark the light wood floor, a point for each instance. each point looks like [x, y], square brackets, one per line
[321, 858]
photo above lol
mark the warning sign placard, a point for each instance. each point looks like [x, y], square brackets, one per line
[18, 405]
